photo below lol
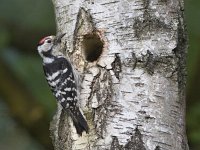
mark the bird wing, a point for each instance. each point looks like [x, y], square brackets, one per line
[61, 79]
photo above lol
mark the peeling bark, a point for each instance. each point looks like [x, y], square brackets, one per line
[130, 56]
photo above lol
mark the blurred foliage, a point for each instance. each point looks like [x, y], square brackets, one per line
[12, 136]
[26, 103]
[23, 88]
[192, 14]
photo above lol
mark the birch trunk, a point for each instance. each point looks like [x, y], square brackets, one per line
[131, 58]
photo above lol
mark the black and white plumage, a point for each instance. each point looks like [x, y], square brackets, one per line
[62, 80]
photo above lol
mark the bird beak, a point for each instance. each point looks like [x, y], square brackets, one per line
[58, 38]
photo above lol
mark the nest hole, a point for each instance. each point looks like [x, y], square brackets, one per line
[92, 47]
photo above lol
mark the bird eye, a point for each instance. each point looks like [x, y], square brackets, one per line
[49, 41]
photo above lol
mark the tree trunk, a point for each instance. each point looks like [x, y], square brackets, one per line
[130, 55]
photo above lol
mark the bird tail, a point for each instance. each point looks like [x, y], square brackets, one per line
[79, 122]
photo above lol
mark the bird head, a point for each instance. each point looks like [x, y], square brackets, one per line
[46, 44]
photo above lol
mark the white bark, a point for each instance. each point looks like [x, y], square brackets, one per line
[133, 92]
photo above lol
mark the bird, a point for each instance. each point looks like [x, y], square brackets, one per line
[62, 79]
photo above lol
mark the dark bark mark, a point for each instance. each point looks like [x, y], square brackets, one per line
[165, 64]
[131, 62]
[163, 1]
[105, 100]
[136, 142]
[104, 96]
[108, 3]
[90, 1]
[149, 24]
[147, 117]
[150, 63]
[146, 4]
[115, 144]
[157, 148]
[94, 87]
[116, 65]
[134, 60]
[142, 112]
[180, 52]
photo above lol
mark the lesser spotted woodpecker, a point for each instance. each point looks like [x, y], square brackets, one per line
[62, 80]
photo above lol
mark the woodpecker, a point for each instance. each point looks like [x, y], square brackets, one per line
[62, 79]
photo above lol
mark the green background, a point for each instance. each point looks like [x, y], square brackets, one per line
[26, 103]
